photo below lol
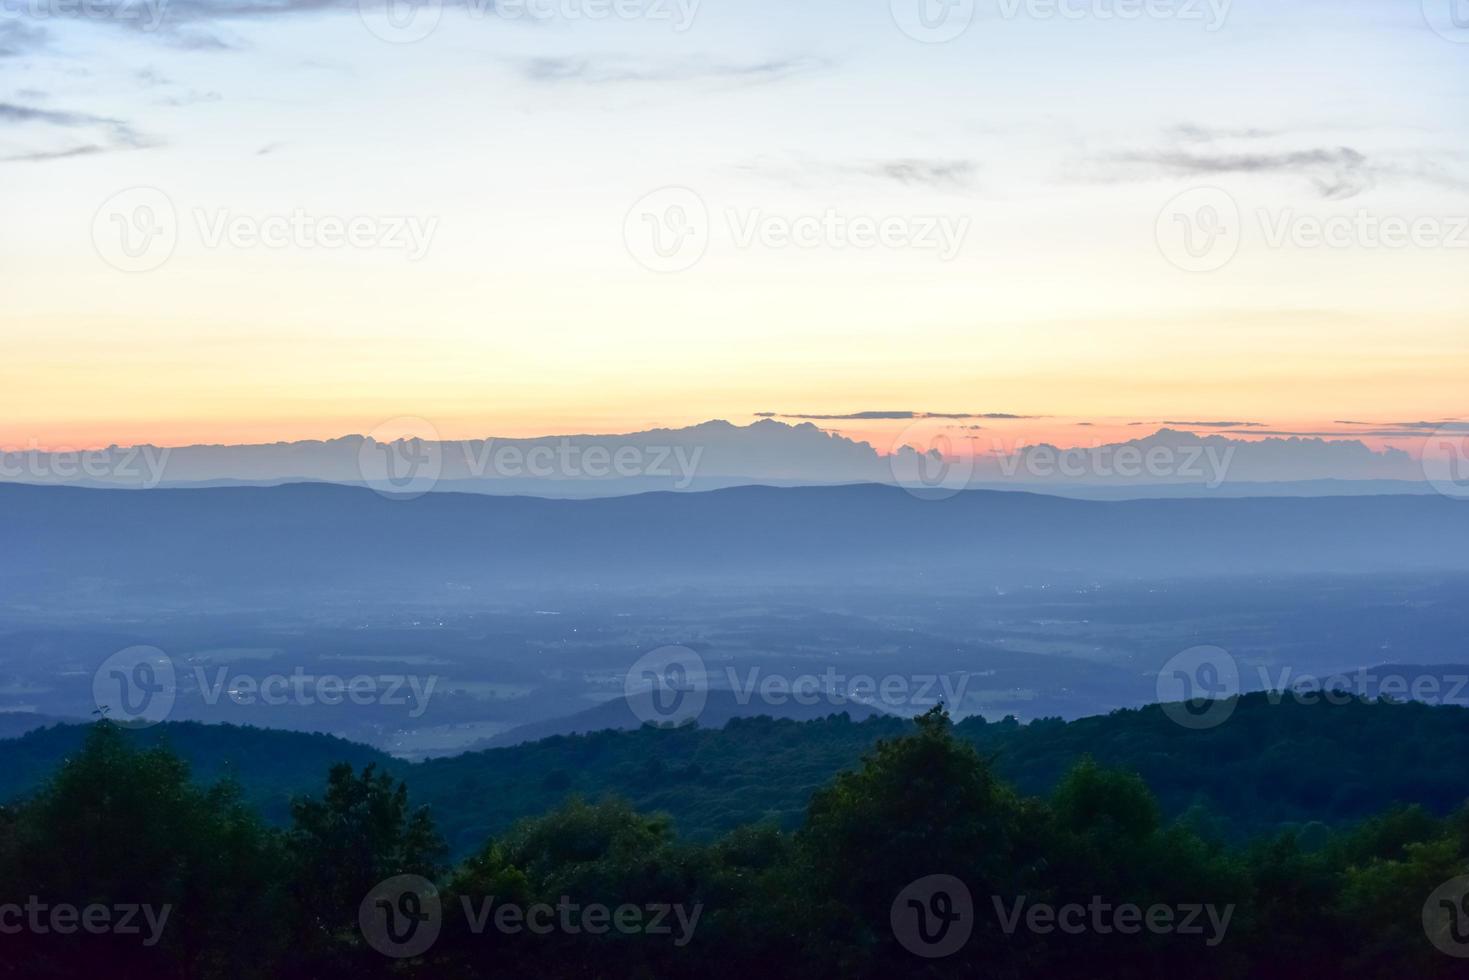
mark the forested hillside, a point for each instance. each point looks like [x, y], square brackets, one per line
[918, 862]
[1270, 764]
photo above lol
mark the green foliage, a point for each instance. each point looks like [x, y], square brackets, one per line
[1270, 767]
[361, 832]
[116, 827]
[120, 822]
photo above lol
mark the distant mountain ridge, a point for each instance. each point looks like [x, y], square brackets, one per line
[1271, 764]
[718, 708]
[718, 454]
[310, 539]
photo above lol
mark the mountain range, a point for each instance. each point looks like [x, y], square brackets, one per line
[305, 541]
[719, 454]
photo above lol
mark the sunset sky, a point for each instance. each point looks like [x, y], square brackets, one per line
[524, 153]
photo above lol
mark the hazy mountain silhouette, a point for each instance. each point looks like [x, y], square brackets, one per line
[302, 540]
[718, 454]
[716, 709]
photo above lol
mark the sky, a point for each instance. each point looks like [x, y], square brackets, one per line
[262, 220]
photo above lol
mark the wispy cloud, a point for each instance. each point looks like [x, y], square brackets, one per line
[935, 173]
[611, 70]
[18, 37]
[1335, 172]
[928, 173]
[106, 133]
